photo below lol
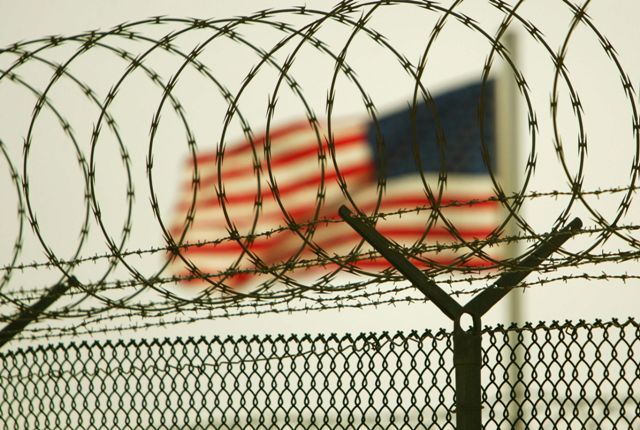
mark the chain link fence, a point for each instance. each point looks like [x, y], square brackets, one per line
[584, 375]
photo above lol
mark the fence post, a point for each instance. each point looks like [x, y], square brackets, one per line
[467, 360]
[467, 343]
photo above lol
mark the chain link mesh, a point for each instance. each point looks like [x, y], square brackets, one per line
[584, 375]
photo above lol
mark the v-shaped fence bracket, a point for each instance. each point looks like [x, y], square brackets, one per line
[467, 350]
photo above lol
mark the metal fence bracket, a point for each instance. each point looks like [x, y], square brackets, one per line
[467, 341]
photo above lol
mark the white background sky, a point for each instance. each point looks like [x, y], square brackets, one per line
[458, 58]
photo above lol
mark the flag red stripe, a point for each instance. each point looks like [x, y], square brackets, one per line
[340, 143]
[258, 141]
[363, 169]
[276, 162]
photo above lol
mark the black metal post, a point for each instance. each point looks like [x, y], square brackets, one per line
[29, 314]
[467, 360]
[467, 344]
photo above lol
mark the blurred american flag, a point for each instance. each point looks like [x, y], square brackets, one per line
[281, 195]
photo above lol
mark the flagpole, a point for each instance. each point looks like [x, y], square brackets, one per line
[508, 170]
[508, 156]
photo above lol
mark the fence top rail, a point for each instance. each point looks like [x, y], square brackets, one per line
[313, 342]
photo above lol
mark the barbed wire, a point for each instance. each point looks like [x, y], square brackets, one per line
[124, 271]
[307, 264]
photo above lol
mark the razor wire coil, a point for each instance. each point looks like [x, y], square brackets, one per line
[123, 289]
